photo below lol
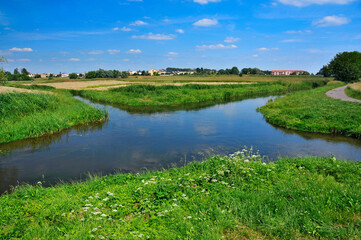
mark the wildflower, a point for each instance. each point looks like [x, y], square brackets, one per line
[203, 190]
[115, 210]
[268, 170]
[175, 205]
[64, 214]
[141, 235]
[94, 229]
[90, 197]
[99, 204]
[264, 163]
[104, 215]
[175, 199]
[189, 217]
[101, 237]
[96, 213]
[86, 200]
[220, 172]
[246, 160]
[82, 219]
[106, 199]
[110, 194]
[214, 180]
[95, 209]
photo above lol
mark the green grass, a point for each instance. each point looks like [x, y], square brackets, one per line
[235, 197]
[162, 96]
[353, 93]
[26, 115]
[313, 111]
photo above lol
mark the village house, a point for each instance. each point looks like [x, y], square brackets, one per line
[153, 72]
[64, 75]
[46, 75]
[288, 72]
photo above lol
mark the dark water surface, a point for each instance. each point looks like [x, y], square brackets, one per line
[132, 142]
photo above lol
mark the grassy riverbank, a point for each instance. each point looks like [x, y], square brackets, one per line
[354, 90]
[148, 95]
[25, 115]
[236, 197]
[313, 111]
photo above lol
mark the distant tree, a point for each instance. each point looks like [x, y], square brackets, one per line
[16, 71]
[346, 66]
[37, 76]
[90, 75]
[3, 77]
[24, 71]
[241, 75]
[235, 71]
[73, 76]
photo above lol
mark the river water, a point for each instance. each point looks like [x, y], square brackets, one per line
[129, 142]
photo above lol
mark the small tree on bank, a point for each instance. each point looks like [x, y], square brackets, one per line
[345, 66]
[73, 76]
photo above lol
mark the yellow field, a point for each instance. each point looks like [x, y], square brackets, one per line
[356, 87]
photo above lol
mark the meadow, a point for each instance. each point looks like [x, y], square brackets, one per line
[224, 197]
[144, 96]
[27, 115]
[313, 111]
[354, 90]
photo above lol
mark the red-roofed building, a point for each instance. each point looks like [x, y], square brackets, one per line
[288, 72]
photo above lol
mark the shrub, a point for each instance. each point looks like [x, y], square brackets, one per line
[73, 76]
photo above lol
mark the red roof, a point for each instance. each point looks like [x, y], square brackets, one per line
[288, 71]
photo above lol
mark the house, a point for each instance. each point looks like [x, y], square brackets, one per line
[153, 72]
[288, 72]
[65, 75]
[46, 75]
[31, 75]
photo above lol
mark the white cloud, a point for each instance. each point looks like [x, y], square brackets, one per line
[266, 49]
[172, 53]
[138, 23]
[96, 52]
[218, 46]
[123, 29]
[291, 40]
[134, 51]
[15, 49]
[24, 60]
[205, 1]
[113, 51]
[330, 21]
[255, 55]
[303, 3]
[299, 32]
[231, 39]
[74, 59]
[151, 36]
[181, 31]
[206, 22]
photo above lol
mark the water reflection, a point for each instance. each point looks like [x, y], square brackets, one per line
[134, 141]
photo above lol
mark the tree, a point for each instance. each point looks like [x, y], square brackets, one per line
[73, 76]
[345, 66]
[24, 71]
[16, 71]
[3, 77]
[235, 71]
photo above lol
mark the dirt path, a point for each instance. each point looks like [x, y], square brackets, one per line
[12, 89]
[339, 93]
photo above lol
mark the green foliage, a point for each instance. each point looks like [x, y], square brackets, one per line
[24, 115]
[345, 66]
[168, 95]
[313, 111]
[101, 73]
[3, 77]
[73, 76]
[255, 71]
[353, 93]
[235, 197]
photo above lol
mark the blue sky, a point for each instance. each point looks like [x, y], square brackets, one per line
[78, 36]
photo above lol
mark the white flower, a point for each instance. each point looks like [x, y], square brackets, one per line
[175, 199]
[268, 170]
[115, 210]
[90, 197]
[94, 229]
[264, 163]
[214, 180]
[110, 194]
[189, 217]
[203, 190]
[106, 199]
[246, 161]
[103, 215]
[101, 237]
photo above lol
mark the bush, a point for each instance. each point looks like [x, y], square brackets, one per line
[73, 76]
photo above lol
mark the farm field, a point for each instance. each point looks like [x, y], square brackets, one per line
[103, 84]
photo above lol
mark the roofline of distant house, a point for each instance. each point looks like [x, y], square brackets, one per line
[288, 71]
